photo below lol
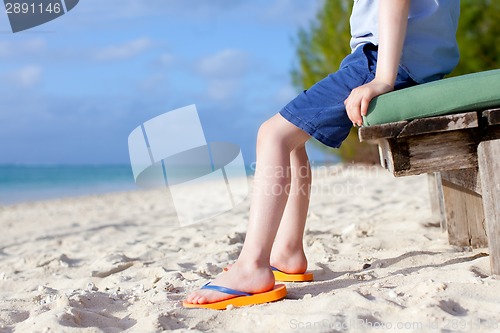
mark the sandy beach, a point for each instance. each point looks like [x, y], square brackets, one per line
[121, 262]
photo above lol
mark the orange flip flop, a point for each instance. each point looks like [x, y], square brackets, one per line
[241, 299]
[286, 277]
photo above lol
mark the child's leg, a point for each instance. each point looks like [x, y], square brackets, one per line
[251, 273]
[288, 250]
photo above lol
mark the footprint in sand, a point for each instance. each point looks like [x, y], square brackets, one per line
[97, 309]
[453, 308]
[111, 264]
[11, 317]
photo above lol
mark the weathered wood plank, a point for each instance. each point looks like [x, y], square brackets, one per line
[444, 151]
[489, 169]
[468, 178]
[394, 154]
[438, 124]
[436, 197]
[383, 131]
[438, 152]
[492, 116]
[419, 126]
[464, 216]
[434, 152]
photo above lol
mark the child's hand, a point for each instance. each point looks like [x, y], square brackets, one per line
[357, 102]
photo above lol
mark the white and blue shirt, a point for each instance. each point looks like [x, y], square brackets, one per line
[430, 48]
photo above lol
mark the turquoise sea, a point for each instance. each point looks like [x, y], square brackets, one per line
[24, 183]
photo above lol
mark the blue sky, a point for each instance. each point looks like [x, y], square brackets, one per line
[74, 88]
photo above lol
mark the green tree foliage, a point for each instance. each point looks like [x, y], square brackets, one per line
[478, 36]
[321, 47]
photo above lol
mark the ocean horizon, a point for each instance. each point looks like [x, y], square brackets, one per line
[21, 183]
[27, 183]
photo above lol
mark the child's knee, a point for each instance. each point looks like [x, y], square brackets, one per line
[279, 133]
[266, 130]
[270, 134]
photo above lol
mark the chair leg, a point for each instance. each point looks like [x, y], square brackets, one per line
[464, 216]
[489, 169]
[436, 198]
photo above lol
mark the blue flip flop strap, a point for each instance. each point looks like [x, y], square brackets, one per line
[225, 290]
[275, 269]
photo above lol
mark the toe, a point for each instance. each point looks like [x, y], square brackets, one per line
[190, 298]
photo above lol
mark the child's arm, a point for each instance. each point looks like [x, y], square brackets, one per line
[393, 19]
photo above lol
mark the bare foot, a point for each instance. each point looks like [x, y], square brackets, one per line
[246, 278]
[291, 261]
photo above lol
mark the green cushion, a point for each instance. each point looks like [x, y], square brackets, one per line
[457, 94]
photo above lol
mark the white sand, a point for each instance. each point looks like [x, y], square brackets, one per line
[120, 262]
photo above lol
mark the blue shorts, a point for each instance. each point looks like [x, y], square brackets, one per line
[320, 110]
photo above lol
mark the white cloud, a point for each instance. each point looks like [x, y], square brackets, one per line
[166, 59]
[25, 77]
[223, 89]
[224, 64]
[224, 72]
[16, 49]
[152, 83]
[123, 51]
